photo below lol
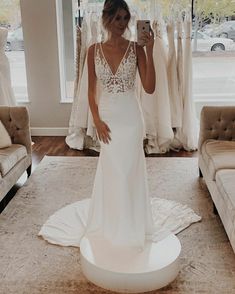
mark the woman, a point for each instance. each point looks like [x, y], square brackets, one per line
[119, 210]
[120, 185]
[116, 17]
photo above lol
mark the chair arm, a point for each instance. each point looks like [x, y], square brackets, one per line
[16, 121]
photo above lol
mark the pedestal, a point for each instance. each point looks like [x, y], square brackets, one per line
[127, 269]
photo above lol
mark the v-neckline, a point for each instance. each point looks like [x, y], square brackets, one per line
[114, 74]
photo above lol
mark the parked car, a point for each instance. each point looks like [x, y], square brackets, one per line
[207, 43]
[209, 29]
[15, 40]
[226, 30]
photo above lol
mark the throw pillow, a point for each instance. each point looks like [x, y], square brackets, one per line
[5, 139]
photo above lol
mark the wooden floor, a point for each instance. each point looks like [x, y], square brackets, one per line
[56, 146]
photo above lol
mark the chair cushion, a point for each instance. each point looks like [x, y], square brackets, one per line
[225, 181]
[218, 155]
[5, 140]
[10, 156]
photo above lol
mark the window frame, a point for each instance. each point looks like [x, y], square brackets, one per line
[64, 97]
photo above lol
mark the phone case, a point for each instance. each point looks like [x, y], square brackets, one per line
[142, 26]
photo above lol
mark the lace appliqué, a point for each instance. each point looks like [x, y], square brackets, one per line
[124, 78]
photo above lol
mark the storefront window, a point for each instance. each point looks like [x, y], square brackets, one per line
[213, 43]
[10, 18]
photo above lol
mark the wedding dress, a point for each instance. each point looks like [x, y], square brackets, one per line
[6, 93]
[177, 143]
[78, 55]
[81, 126]
[175, 101]
[156, 107]
[165, 133]
[120, 210]
[189, 132]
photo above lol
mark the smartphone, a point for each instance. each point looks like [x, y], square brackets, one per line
[142, 26]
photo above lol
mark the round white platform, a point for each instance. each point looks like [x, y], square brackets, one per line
[123, 269]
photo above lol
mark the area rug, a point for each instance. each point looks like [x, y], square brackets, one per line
[28, 264]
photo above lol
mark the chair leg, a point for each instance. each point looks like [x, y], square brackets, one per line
[29, 169]
[215, 209]
[200, 173]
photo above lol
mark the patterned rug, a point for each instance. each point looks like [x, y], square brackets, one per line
[28, 264]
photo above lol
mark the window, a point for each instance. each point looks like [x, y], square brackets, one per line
[66, 46]
[213, 50]
[10, 18]
[213, 65]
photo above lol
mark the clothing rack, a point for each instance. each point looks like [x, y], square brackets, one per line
[79, 14]
[192, 10]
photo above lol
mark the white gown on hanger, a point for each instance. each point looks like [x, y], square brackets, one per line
[165, 133]
[81, 124]
[177, 144]
[175, 100]
[156, 106]
[120, 210]
[189, 132]
[6, 93]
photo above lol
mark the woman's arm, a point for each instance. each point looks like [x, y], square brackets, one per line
[146, 64]
[101, 127]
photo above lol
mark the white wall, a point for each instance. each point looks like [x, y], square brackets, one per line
[48, 115]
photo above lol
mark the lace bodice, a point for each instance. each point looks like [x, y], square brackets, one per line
[124, 78]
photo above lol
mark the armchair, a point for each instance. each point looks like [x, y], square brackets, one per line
[17, 158]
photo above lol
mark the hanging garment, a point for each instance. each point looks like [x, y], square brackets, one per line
[91, 131]
[177, 143]
[6, 93]
[156, 107]
[188, 134]
[149, 108]
[175, 101]
[81, 124]
[78, 54]
[120, 210]
[180, 67]
[163, 112]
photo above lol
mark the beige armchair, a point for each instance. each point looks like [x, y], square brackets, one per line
[217, 161]
[17, 158]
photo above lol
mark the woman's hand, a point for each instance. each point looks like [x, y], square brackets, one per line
[148, 40]
[146, 63]
[103, 131]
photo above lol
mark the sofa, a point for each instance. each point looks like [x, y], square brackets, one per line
[17, 158]
[217, 162]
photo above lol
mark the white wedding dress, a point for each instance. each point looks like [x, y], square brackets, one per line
[175, 99]
[120, 209]
[6, 92]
